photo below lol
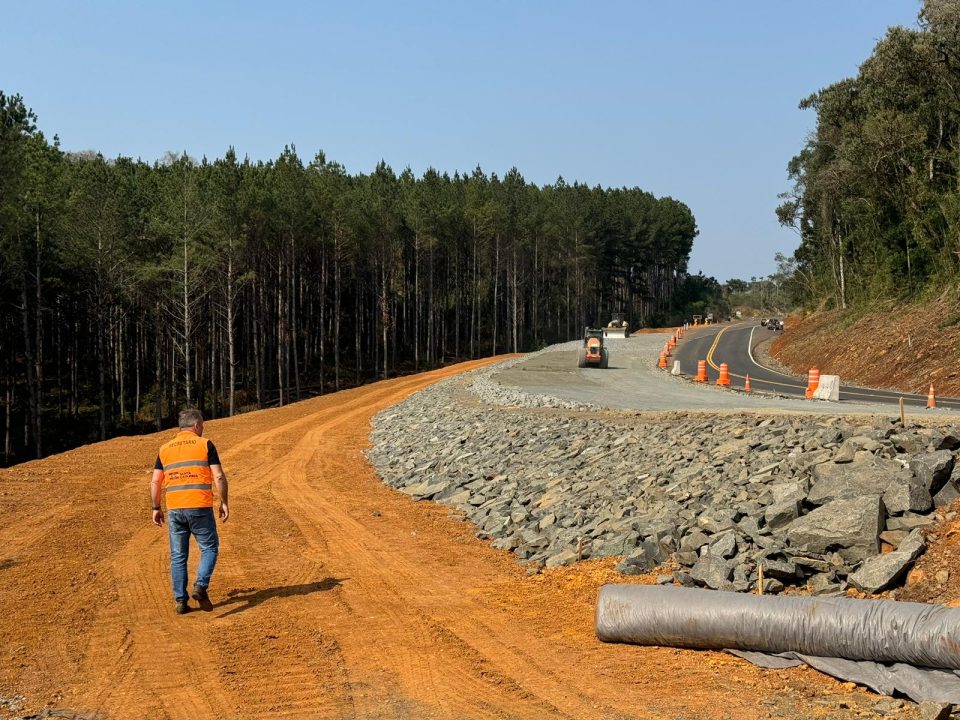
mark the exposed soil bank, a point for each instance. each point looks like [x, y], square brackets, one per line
[904, 347]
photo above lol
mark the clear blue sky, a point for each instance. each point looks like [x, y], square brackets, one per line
[692, 99]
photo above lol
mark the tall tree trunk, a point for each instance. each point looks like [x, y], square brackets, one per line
[211, 365]
[29, 358]
[74, 404]
[534, 295]
[292, 329]
[8, 407]
[59, 360]
[459, 305]
[280, 329]
[119, 350]
[358, 330]
[496, 291]
[135, 412]
[158, 371]
[323, 307]
[336, 311]
[259, 354]
[384, 319]
[431, 325]
[172, 404]
[516, 341]
[231, 349]
[416, 301]
[101, 374]
[186, 317]
[38, 330]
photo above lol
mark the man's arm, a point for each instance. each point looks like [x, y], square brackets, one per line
[220, 482]
[219, 479]
[156, 488]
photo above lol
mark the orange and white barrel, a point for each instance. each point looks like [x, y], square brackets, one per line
[724, 379]
[701, 371]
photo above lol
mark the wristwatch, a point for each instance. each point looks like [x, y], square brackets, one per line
[156, 507]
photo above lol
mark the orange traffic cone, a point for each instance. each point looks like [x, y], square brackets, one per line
[746, 384]
[666, 348]
[813, 381]
[701, 371]
[663, 361]
[724, 378]
[673, 341]
[931, 398]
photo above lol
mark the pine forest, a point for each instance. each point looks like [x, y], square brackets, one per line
[130, 289]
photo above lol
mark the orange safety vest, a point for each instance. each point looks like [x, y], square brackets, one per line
[187, 481]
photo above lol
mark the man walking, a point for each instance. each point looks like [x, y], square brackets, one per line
[186, 470]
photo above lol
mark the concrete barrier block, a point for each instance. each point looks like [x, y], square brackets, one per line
[828, 389]
[676, 368]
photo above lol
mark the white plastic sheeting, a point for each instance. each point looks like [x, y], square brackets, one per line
[894, 646]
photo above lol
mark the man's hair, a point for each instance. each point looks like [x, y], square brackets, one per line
[189, 417]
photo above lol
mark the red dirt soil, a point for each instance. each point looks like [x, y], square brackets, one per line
[335, 597]
[905, 347]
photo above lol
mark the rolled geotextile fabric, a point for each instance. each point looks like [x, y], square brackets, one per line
[878, 630]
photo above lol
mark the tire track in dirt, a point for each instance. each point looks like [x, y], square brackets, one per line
[251, 687]
[386, 581]
[153, 651]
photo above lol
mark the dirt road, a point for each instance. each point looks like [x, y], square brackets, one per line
[335, 597]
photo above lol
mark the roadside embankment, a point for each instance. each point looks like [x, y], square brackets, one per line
[900, 347]
[826, 503]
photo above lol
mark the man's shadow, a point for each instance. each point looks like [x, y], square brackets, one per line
[251, 597]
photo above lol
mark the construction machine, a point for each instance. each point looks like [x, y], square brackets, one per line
[592, 353]
[618, 327]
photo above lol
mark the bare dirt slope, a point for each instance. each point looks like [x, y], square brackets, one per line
[335, 597]
[901, 347]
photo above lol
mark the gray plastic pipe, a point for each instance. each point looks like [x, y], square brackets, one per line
[878, 630]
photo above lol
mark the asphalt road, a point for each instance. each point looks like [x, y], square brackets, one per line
[633, 382]
[733, 344]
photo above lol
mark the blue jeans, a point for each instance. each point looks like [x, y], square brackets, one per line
[200, 523]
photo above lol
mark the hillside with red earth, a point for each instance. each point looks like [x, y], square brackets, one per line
[901, 347]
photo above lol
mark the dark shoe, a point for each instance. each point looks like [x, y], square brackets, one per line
[200, 595]
[182, 607]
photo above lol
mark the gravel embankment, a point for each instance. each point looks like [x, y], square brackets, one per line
[485, 387]
[813, 500]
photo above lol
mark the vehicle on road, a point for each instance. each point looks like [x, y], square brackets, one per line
[618, 327]
[592, 352]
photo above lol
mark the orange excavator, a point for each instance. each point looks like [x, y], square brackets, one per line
[592, 353]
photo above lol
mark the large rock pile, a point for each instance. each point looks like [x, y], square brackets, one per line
[822, 502]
